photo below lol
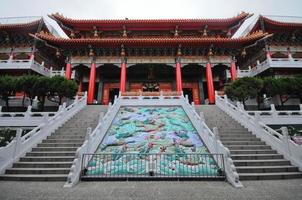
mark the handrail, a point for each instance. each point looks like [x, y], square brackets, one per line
[280, 142]
[21, 144]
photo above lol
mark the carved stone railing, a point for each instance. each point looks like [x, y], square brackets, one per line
[277, 117]
[94, 138]
[280, 142]
[22, 144]
[25, 64]
[26, 118]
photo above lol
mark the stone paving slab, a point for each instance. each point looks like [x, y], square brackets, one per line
[281, 189]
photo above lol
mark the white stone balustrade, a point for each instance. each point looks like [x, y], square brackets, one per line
[280, 142]
[22, 144]
[27, 118]
[277, 117]
[25, 64]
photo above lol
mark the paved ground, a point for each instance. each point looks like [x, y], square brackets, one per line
[281, 189]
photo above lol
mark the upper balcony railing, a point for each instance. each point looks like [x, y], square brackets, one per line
[25, 64]
[269, 63]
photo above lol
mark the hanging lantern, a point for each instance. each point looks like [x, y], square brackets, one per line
[124, 31]
[210, 53]
[243, 53]
[72, 35]
[58, 53]
[95, 34]
[91, 53]
[179, 51]
[123, 53]
[176, 31]
[205, 31]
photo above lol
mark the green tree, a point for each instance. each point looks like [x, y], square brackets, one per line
[7, 88]
[60, 87]
[244, 88]
[25, 84]
[41, 90]
[297, 86]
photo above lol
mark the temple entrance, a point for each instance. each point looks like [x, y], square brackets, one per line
[192, 90]
[189, 92]
[109, 91]
[113, 92]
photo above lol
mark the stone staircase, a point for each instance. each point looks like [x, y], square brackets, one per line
[51, 159]
[252, 157]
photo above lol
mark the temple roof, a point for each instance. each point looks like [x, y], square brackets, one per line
[228, 24]
[151, 41]
[29, 27]
[274, 26]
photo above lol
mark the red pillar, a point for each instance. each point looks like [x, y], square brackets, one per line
[233, 71]
[123, 77]
[178, 76]
[210, 84]
[91, 85]
[68, 70]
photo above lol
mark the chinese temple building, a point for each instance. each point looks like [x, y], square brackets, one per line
[21, 54]
[189, 55]
[196, 56]
[278, 55]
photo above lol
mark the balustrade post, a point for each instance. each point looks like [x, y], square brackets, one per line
[225, 99]
[257, 118]
[286, 139]
[273, 111]
[17, 143]
[1, 109]
[299, 106]
[28, 112]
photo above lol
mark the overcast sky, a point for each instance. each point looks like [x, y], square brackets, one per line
[149, 8]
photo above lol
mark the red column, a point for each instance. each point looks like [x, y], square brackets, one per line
[210, 84]
[91, 85]
[123, 77]
[233, 71]
[178, 77]
[68, 70]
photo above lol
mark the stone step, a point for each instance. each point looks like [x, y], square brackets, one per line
[229, 139]
[37, 171]
[241, 136]
[249, 143]
[54, 153]
[267, 169]
[35, 177]
[79, 137]
[59, 145]
[273, 162]
[63, 141]
[42, 164]
[256, 156]
[72, 149]
[265, 151]
[248, 147]
[269, 176]
[47, 159]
